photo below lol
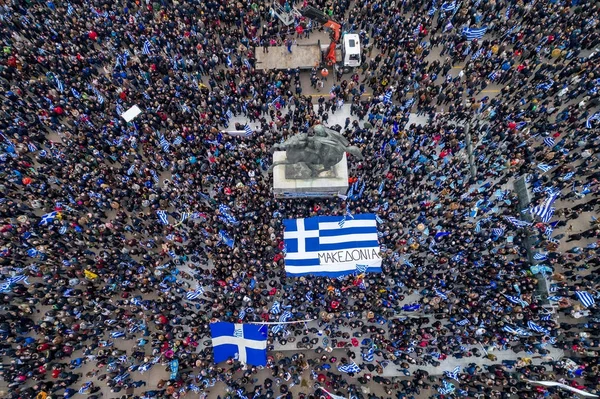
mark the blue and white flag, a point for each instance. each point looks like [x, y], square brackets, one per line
[191, 295]
[229, 63]
[349, 368]
[474, 33]
[544, 168]
[230, 242]
[147, 50]
[549, 141]
[59, 84]
[568, 176]
[453, 374]
[540, 256]
[545, 86]
[162, 217]
[517, 331]
[537, 328]
[387, 98]
[545, 210]
[319, 246]
[70, 9]
[370, 355]
[248, 130]
[440, 294]
[448, 7]
[585, 298]
[276, 308]
[595, 117]
[32, 252]
[447, 389]
[48, 218]
[498, 232]
[516, 300]
[164, 143]
[285, 316]
[226, 216]
[245, 342]
[516, 222]
[117, 334]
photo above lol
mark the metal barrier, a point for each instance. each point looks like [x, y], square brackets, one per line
[286, 17]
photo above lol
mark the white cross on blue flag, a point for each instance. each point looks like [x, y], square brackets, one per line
[246, 342]
[319, 246]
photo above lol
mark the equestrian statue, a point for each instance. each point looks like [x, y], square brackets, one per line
[320, 149]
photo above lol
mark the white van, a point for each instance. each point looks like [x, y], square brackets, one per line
[351, 50]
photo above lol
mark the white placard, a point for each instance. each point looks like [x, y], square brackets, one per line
[131, 113]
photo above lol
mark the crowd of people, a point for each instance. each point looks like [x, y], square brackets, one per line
[110, 228]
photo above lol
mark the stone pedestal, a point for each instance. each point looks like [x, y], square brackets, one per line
[294, 181]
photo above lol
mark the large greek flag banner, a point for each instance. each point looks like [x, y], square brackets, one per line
[319, 246]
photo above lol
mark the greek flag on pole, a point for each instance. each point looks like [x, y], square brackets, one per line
[549, 141]
[585, 298]
[319, 246]
[229, 63]
[248, 130]
[473, 33]
[285, 316]
[544, 168]
[246, 342]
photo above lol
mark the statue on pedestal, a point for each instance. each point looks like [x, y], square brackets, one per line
[310, 154]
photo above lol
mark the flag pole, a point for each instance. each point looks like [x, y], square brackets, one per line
[278, 322]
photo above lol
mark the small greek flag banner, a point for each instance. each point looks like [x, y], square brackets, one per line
[544, 168]
[162, 217]
[585, 298]
[147, 50]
